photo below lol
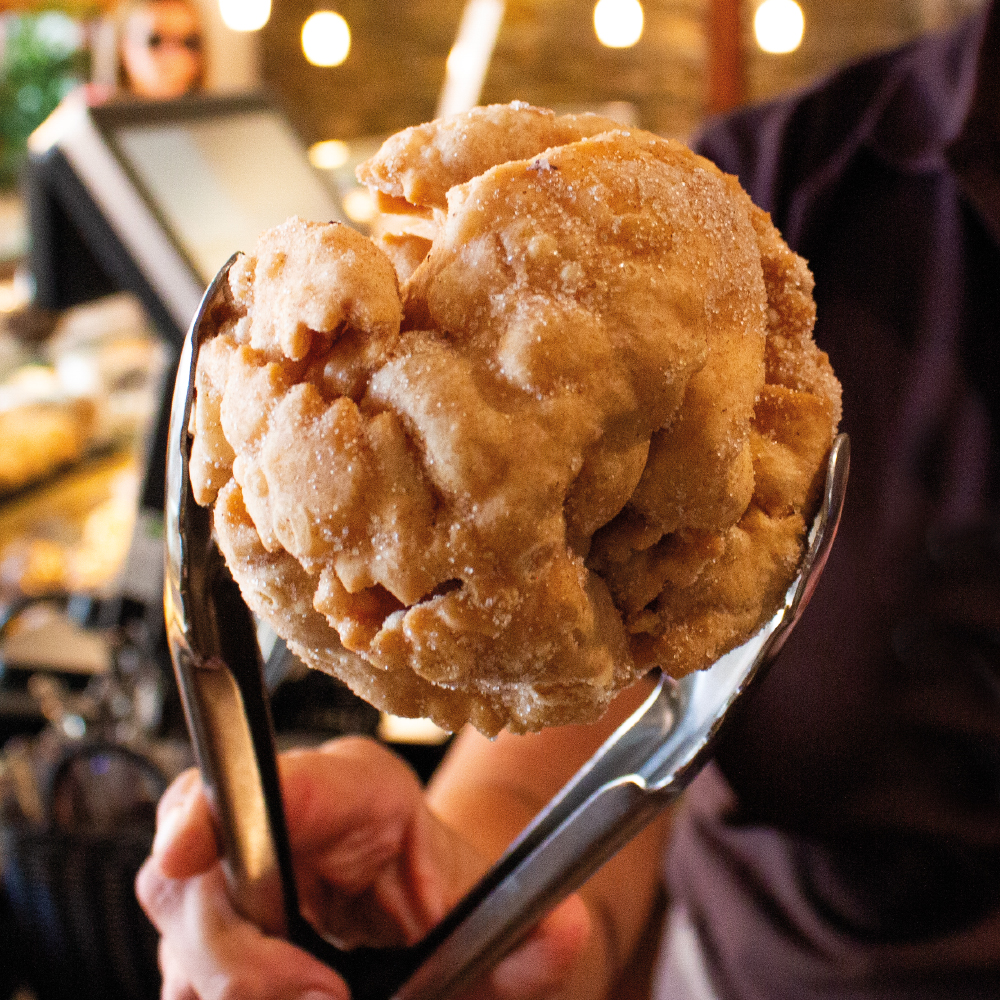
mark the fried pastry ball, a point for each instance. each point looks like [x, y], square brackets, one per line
[570, 427]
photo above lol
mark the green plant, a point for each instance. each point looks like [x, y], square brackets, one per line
[44, 57]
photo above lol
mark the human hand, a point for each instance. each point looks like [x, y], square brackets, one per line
[374, 866]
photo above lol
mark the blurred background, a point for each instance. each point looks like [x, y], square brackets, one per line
[359, 70]
[91, 728]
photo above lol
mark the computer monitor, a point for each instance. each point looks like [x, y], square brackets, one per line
[153, 197]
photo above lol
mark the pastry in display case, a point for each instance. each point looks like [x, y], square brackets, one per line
[74, 419]
[41, 429]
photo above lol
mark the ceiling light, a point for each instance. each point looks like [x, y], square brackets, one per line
[618, 23]
[359, 206]
[779, 26]
[329, 154]
[326, 38]
[244, 15]
[469, 58]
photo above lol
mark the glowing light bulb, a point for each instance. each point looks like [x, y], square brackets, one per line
[329, 154]
[618, 23]
[779, 26]
[326, 38]
[359, 206]
[244, 15]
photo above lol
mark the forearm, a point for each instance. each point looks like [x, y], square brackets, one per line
[488, 790]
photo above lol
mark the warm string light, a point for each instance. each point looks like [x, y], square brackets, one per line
[618, 23]
[778, 26]
[245, 15]
[331, 154]
[326, 38]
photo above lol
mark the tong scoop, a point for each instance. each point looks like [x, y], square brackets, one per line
[641, 768]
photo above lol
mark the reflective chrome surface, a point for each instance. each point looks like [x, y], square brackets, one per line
[207, 627]
[639, 770]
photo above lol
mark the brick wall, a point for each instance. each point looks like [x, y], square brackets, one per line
[547, 54]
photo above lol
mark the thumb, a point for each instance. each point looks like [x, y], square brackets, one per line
[185, 843]
[542, 965]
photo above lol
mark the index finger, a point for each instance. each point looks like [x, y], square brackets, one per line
[218, 954]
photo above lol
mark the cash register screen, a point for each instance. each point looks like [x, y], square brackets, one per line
[219, 182]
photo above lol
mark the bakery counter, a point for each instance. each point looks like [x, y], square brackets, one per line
[78, 396]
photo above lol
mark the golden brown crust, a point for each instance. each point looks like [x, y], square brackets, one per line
[421, 164]
[415, 169]
[582, 439]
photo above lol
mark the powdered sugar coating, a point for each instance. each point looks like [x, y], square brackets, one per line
[580, 437]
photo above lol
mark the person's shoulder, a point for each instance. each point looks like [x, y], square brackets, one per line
[808, 123]
[777, 146]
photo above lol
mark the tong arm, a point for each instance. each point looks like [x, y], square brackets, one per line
[639, 770]
[209, 628]
[543, 875]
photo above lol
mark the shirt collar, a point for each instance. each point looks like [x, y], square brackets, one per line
[925, 105]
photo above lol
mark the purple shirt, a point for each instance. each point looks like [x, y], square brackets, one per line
[846, 841]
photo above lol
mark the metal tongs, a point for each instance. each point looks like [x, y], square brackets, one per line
[639, 770]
